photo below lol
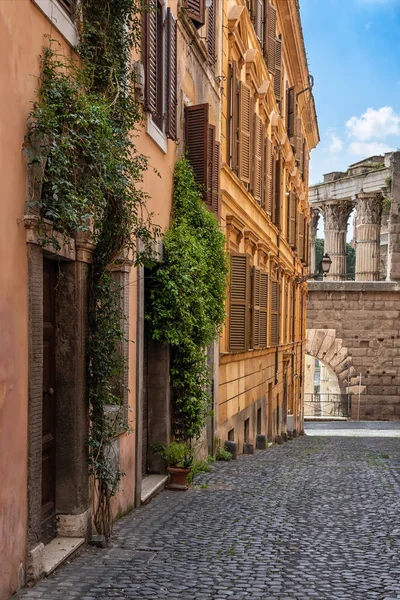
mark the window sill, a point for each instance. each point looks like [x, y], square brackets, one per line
[59, 18]
[156, 134]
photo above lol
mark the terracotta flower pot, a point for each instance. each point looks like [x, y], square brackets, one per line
[177, 478]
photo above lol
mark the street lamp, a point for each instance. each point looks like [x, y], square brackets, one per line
[324, 267]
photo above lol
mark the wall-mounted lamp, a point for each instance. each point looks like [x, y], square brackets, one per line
[324, 267]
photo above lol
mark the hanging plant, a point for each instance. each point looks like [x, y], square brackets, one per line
[186, 300]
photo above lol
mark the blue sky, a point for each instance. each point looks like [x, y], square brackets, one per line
[353, 49]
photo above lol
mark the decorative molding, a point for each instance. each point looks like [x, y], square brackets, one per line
[60, 248]
[250, 242]
[369, 208]
[235, 227]
[336, 215]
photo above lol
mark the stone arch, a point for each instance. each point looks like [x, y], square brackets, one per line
[328, 348]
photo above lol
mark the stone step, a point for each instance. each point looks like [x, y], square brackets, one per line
[58, 550]
[151, 486]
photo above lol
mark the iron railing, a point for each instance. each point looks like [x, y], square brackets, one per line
[327, 405]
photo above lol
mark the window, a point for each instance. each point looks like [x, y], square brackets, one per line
[196, 11]
[291, 238]
[300, 236]
[68, 6]
[276, 201]
[211, 33]
[259, 308]
[203, 152]
[274, 327]
[239, 303]
[160, 61]
[245, 125]
[291, 112]
[61, 14]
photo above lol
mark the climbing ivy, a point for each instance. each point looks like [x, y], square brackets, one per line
[82, 132]
[186, 300]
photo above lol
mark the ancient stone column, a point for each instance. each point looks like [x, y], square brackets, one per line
[314, 218]
[369, 213]
[336, 216]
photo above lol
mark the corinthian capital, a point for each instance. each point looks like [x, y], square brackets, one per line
[369, 208]
[336, 215]
[314, 218]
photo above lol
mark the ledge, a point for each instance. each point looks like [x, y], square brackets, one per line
[353, 286]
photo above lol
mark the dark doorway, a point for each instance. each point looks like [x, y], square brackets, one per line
[48, 531]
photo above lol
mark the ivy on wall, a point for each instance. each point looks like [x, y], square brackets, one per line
[82, 132]
[186, 300]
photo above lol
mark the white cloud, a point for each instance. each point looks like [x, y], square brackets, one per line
[336, 144]
[374, 124]
[368, 148]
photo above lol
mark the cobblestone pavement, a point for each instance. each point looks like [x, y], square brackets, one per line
[315, 518]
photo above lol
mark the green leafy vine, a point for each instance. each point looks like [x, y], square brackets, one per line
[81, 133]
[186, 300]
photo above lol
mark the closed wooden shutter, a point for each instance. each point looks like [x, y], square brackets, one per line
[258, 19]
[271, 46]
[263, 310]
[171, 79]
[258, 138]
[197, 145]
[68, 6]
[306, 254]
[292, 219]
[244, 132]
[150, 56]
[196, 11]
[213, 169]
[269, 167]
[276, 206]
[306, 165]
[300, 236]
[291, 113]
[239, 303]
[234, 116]
[298, 141]
[278, 70]
[211, 32]
[274, 339]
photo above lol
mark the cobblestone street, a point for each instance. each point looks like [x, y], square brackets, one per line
[317, 517]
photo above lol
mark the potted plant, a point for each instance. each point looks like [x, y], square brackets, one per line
[179, 458]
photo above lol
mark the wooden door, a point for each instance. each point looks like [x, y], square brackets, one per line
[49, 404]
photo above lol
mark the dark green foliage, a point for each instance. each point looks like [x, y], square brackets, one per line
[186, 300]
[350, 257]
[223, 454]
[82, 128]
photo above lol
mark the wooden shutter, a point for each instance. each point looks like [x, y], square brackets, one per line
[68, 6]
[171, 79]
[259, 308]
[239, 303]
[276, 206]
[278, 70]
[306, 166]
[196, 11]
[306, 253]
[298, 141]
[300, 236]
[244, 132]
[292, 219]
[274, 341]
[150, 56]
[197, 145]
[291, 112]
[271, 46]
[211, 32]
[258, 19]
[258, 138]
[213, 169]
[269, 164]
[234, 118]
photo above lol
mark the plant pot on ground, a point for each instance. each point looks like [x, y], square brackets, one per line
[179, 458]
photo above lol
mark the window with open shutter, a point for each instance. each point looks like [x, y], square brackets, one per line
[212, 32]
[196, 11]
[276, 205]
[68, 6]
[292, 220]
[258, 138]
[300, 236]
[245, 119]
[271, 45]
[278, 70]
[216, 179]
[150, 56]
[306, 256]
[197, 143]
[239, 303]
[263, 326]
[268, 173]
[274, 327]
[213, 168]
[298, 140]
[233, 121]
[291, 112]
[171, 79]
[257, 16]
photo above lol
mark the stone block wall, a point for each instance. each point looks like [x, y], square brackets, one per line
[366, 319]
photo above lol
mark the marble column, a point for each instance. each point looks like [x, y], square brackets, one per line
[314, 218]
[336, 216]
[369, 213]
